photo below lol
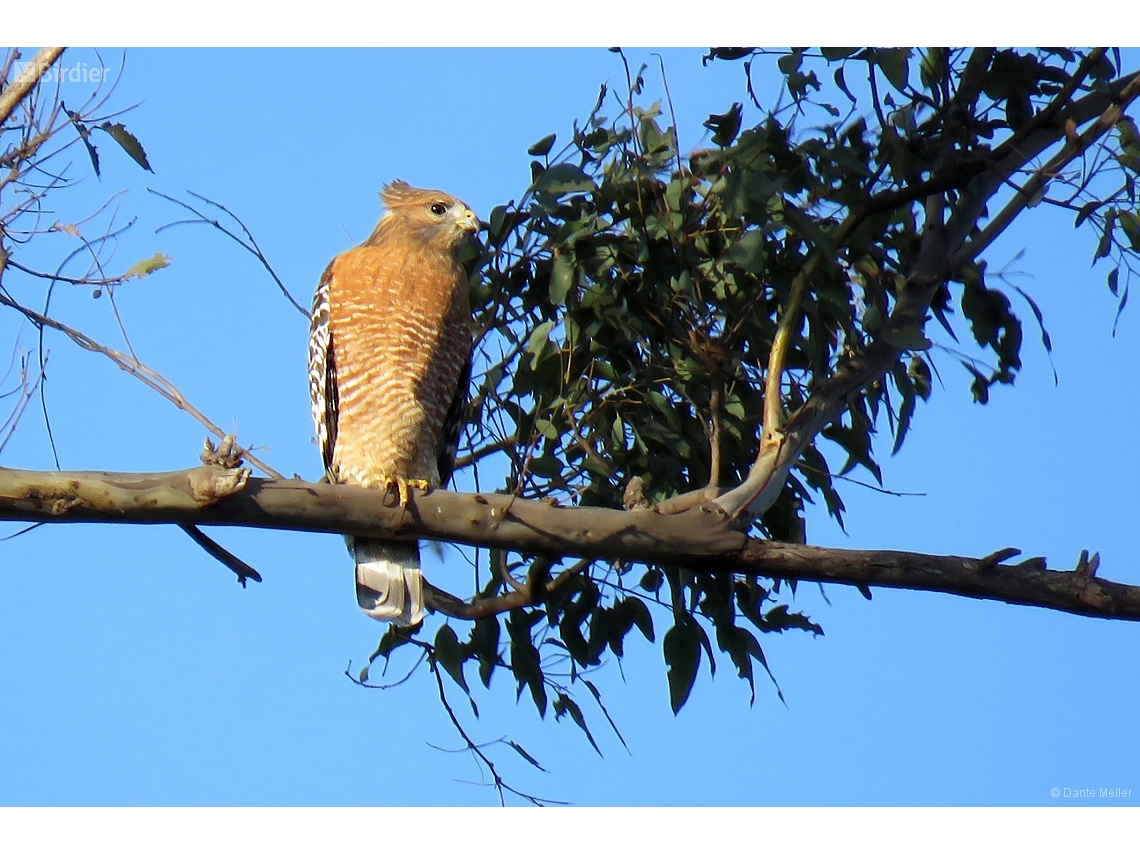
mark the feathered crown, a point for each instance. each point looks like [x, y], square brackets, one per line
[399, 193]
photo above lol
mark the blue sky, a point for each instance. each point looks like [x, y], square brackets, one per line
[136, 672]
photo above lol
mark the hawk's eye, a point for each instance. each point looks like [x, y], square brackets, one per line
[439, 209]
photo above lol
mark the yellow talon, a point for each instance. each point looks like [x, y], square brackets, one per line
[403, 486]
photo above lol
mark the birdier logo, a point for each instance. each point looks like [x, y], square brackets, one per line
[77, 72]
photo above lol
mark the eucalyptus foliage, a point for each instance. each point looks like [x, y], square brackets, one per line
[627, 304]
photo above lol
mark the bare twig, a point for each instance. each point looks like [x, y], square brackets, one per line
[778, 354]
[501, 786]
[857, 482]
[484, 451]
[672, 114]
[995, 558]
[505, 574]
[26, 391]
[249, 243]
[400, 682]
[218, 552]
[137, 369]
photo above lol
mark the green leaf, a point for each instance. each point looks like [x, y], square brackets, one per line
[451, 654]
[724, 53]
[543, 146]
[790, 63]
[598, 699]
[395, 637]
[895, 63]
[1131, 226]
[525, 756]
[682, 649]
[908, 338]
[537, 342]
[748, 252]
[906, 410]
[564, 178]
[525, 661]
[831, 54]
[1045, 339]
[725, 126]
[872, 320]
[739, 643]
[564, 704]
[128, 142]
[546, 466]
[1120, 306]
[639, 613]
[807, 227]
[1086, 211]
[617, 433]
[485, 644]
[841, 82]
[780, 618]
[147, 266]
[1105, 245]
[497, 221]
[932, 68]
[651, 582]
[856, 441]
[561, 279]
[85, 135]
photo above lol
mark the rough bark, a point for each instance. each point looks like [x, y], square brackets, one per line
[703, 538]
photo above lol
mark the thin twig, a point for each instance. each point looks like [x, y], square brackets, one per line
[251, 246]
[132, 366]
[506, 576]
[95, 283]
[26, 393]
[501, 786]
[484, 451]
[221, 554]
[672, 114]
[400, 682]
[818, 471]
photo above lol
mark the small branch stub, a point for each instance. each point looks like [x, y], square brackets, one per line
[211, 483]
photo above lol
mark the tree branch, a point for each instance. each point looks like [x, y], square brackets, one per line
[943, 251]
[11, 97]
[1074, 147]
[703, 539]
[220, 554]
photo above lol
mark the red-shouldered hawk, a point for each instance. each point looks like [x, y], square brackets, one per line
[389, 365]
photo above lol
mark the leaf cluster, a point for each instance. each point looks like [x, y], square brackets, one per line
[627, 305]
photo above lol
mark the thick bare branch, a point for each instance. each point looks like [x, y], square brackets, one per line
[11, 97]
[703, 539]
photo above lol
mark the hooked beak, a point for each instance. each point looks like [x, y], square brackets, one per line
[468, 221]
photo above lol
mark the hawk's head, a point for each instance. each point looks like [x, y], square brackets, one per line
[430, 216]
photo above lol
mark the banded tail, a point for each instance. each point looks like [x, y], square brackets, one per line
[389, 585]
